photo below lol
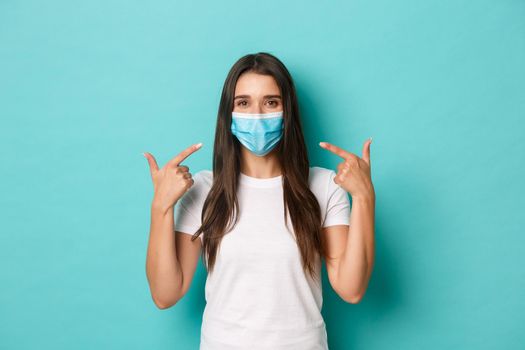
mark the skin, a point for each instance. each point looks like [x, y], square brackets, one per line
[351, 249]
[172, 259]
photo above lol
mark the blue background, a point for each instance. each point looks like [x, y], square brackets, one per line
[85, 87]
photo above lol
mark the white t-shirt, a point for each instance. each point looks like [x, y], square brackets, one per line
[258, 296]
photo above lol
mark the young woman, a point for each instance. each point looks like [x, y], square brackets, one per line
[261, 220]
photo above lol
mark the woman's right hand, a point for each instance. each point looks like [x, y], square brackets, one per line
[172, 181]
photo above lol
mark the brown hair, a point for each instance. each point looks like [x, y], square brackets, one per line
[221, 203]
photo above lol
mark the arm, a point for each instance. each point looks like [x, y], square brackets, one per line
[163, 269]
[166, 266]
[171, 259]
[351, 252]
[350, 249]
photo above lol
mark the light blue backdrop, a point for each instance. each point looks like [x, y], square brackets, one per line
[85, 87]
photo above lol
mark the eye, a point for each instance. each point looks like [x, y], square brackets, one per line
[273, 103]
[240, 103]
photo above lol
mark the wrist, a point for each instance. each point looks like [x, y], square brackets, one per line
[369, 198]
[161, 208]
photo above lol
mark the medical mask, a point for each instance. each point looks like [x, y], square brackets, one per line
[259, 132]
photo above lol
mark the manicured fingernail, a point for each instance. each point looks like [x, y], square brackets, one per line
[322, 143]
[370, 139]
[144, 154]
[198, 145]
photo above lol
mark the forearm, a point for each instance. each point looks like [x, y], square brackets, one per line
[162, 266]
[357, 261]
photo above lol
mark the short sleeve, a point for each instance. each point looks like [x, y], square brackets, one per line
[189, 208]
[337, 204]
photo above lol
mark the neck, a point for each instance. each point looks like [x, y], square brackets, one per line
[261, 167]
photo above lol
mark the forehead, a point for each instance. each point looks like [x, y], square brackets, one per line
[254, 84]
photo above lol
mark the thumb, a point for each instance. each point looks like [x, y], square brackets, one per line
[153, 167]
[366, 150]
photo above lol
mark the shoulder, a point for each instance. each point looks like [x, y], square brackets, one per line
[320, 176]
[202, 182]
[320, 171]
[203, 177]
[319, 181]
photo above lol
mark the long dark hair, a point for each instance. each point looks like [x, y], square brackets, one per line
[221, 204]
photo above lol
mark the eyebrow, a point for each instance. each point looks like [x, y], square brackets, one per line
[265, 96]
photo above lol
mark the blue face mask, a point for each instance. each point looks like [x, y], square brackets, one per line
[259, 132]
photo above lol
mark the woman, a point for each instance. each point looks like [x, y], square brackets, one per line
[264, 217]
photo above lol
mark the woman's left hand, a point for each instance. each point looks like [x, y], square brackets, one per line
[353, 174]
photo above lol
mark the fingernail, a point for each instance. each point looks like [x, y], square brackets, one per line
[198, 145]
[144, 154]
[322, 143]
[370, 139]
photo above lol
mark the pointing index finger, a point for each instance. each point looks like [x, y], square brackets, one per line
[185, 154]
[336, 150]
